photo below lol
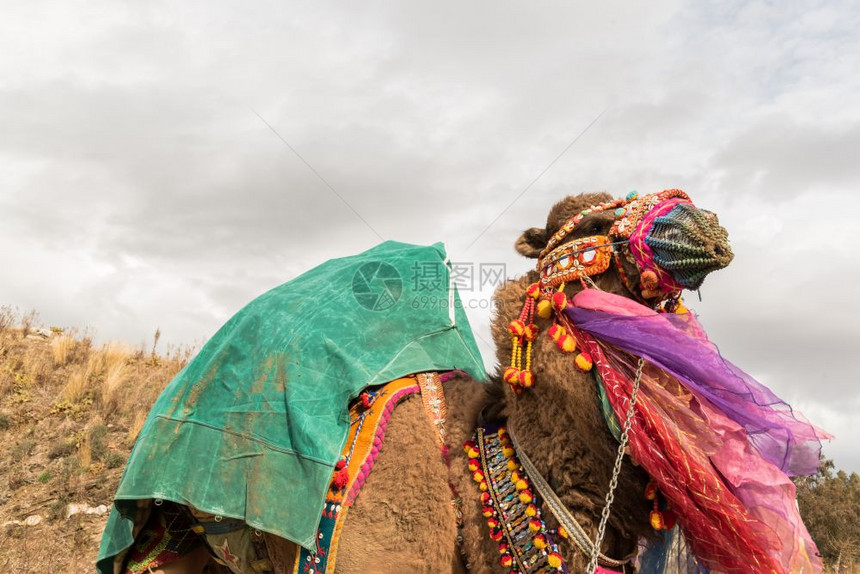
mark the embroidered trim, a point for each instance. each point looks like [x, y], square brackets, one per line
[513, 515]
[434, 403]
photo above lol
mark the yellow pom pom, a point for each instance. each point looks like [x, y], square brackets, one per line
[533, 291]
[527, 379]
[526, 497]
[540, 541]
[477, 476]
[522, 484]
[472, 453]
[474, 464]
[583, 362]
[535, 525]
[516, 327]
[656, 520]
[562, 532]
[567, 344]
[508, 451]
[544, 309]
[556, 332]
[554, 559]
[512, 465]
[531, 510]
[483, 486]
[511, 375]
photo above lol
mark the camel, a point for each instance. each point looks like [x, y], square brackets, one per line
[422, 512]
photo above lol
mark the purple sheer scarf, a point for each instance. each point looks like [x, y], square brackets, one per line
[677, 344]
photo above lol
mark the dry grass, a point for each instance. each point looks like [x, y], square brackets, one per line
[62, 345]
[135, 428]
[114, 359]
[79, 380]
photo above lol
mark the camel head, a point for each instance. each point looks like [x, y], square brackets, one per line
[656, 245]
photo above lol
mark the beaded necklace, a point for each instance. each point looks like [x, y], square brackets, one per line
[526, 545]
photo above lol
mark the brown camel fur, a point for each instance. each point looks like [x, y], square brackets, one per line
[403, 520]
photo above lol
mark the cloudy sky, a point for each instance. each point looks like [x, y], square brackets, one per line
[161, 164]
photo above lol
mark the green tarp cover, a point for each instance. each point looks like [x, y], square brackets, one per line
[252, 427]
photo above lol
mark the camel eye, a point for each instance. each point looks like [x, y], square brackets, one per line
[591, 226]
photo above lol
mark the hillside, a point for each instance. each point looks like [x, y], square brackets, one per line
[69, 413]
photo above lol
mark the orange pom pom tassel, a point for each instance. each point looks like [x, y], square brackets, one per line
[531, 332]
[511, 375]
[651, 491]
[556, 332]
[583, 362]
[526, 379]
[554, 559]
[516, 327]
[533, 291]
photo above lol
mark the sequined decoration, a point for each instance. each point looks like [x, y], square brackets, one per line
[513, 515]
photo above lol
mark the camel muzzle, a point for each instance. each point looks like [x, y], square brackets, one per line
[689, 243]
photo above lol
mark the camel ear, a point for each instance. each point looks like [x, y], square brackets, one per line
[531, 242]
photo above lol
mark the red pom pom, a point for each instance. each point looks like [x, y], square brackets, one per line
[531, 332]
[366, 399]
[559, 301]
[341, 479]
[339, 465]
[533, 291]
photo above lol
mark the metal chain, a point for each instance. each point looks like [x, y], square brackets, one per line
[610, 496]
